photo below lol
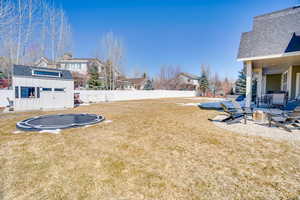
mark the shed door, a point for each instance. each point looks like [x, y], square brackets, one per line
[47, 97]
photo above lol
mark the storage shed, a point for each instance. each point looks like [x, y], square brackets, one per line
[39, 88]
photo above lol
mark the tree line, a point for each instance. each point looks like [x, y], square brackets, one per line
[210, 84]
[30, 29]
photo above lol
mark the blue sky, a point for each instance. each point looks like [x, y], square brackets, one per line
[187, 33]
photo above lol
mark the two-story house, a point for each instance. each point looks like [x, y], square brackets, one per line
[270, 53]
[80, 67]
[68, 62]
[187, 81]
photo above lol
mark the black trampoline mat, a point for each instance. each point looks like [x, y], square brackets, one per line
[53, 120]
[48, 122]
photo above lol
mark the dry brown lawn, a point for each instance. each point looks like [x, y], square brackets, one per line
[153, 149]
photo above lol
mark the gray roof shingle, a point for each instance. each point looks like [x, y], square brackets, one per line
[274, 33]
[26, 71]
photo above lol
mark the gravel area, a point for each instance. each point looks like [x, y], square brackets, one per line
[253, 128]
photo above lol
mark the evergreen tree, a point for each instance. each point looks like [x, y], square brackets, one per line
[203, 84]
[94, 82]
[144, 75]
[148, 85]
[240, 84]
[2, 75]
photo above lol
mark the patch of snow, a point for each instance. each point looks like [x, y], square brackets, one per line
[87, 126]
[6, 110]
[56, 131]
[217, 105]
[17, 132]
[206, 98]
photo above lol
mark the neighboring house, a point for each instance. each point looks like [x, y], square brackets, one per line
[77, 65]
[271, 53]
[132, 83]
[37, 88]
[187, 81]
[80, 65]
[45, 62]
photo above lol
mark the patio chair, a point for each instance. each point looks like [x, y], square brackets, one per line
[265, 100]
[234, 114]
[285, 119]
[279, 99]
[10, 104]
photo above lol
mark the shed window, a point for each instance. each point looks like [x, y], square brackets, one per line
[16, 92]
[27, 92]
[47, 89]
[59, 89]
[46, 73]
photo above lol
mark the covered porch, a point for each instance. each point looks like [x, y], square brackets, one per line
[268, 75]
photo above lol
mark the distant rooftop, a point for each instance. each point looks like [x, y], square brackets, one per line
[191, 76]
[68, 57]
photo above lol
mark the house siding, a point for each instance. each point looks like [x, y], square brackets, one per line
[295, 70]
[273, 82]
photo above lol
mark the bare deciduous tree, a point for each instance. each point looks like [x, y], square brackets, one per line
[6, 13]
[27, 25]
[112, 52]
[167, 78]
[216, 84]
[226, 86]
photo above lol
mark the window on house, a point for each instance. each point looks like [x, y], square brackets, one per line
[46, 73]
[59, 89]
[28, 92]
[47, 89]
[16, 92]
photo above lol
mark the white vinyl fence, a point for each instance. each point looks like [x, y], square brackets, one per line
[123, 95]
[115, 95]
[4, 94]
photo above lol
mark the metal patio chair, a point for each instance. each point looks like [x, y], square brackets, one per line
[235, 114]
[285, 119]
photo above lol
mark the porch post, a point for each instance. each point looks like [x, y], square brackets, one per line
[248, 66]
[259, 83]
[263, 87]
[289, 81]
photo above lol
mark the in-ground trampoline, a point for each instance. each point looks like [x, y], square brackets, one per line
[62, 121]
